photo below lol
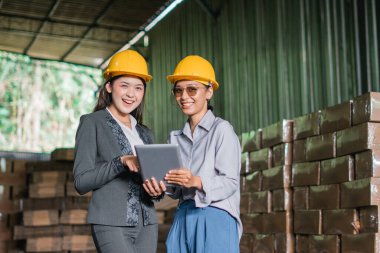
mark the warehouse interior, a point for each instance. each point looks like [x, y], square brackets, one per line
[299, 82]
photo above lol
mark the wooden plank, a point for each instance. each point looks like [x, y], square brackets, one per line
[9, 220]
[49, 166]
[40, 218]
[13, 178]
[46, 190]
[25, 232]
[9, 206]
[81, 202]
[7, 246]
[5, 192]
[76, 229]
[30, 204]
[74, 216]
[5, 234]
[63, 154]
[48, 176]
[43, 244]
[78, 242]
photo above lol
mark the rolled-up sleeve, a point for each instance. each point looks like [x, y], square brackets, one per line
[222, 181]
[90, 174]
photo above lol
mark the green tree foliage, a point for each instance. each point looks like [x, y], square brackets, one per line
[41, 102]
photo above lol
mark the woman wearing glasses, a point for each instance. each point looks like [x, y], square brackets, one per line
[207, 218]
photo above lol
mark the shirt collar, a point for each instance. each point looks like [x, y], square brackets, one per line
[131, 118]
[206, 123]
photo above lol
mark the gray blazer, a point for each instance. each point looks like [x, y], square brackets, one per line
[118, 195]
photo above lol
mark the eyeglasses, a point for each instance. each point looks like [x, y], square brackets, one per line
[190, 90]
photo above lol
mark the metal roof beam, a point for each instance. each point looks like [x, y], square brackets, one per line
[58, 36]
[67, 22]
[207, 8]
[94, 23]
[51, 11]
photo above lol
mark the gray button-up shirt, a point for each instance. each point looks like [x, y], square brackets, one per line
[213, 153]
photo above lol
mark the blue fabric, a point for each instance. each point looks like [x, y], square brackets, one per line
[202, 230]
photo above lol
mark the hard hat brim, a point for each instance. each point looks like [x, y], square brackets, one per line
[175, 78]
[146, 78]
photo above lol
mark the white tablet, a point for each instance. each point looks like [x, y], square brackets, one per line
[157, 159]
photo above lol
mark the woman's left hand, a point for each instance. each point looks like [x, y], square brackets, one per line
[184, 177]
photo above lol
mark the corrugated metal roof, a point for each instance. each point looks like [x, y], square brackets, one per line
[83, 32]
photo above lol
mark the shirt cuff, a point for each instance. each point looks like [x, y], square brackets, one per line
[202, 198]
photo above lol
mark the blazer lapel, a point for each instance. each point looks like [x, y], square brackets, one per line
[133, 195]
[120, 137]
[144, 135]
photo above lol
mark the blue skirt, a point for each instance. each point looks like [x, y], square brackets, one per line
[202, 230]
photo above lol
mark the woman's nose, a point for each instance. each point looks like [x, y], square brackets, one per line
[184, 94]
[130, 92]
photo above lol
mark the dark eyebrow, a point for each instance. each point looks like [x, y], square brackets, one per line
[139, 84]
[189, 85]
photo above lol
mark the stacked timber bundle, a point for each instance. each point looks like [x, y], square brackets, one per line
[42, 212]
[334, 183]
[12, 188]
[362, 194]
[53, 214]
[165, 213]
[266, 199]
[317, 181]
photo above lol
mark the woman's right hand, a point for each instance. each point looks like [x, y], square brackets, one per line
[131, 162]
[153, 188]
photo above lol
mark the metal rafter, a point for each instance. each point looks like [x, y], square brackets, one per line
[207, 8]
[57, 36]
[51, 11]
[93, 24]
[67, 22]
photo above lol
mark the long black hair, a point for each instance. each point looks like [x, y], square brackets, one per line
[105, 100]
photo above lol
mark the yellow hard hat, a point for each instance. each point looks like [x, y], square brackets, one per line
[195, 68]
[128, 62]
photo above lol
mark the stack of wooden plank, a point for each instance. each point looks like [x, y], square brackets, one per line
[334, 183]
[12, 188]
[165, 212]
[48, 214]
[53, 214]
[266, 199]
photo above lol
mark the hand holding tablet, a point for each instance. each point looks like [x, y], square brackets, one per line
[157, 159]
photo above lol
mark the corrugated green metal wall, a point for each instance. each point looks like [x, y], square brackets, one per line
[187, 30]
[274, 58]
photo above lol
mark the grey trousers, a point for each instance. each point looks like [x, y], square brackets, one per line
[138, 239]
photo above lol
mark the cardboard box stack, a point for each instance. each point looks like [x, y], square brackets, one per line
[53, 215]
[334, 183]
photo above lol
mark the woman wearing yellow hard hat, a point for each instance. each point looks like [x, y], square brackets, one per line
[120, 212]
[208, 188]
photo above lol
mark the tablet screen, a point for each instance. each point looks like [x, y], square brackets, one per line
[157, 159]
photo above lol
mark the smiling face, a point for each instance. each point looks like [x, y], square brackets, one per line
[194, 104]
[127, 93]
